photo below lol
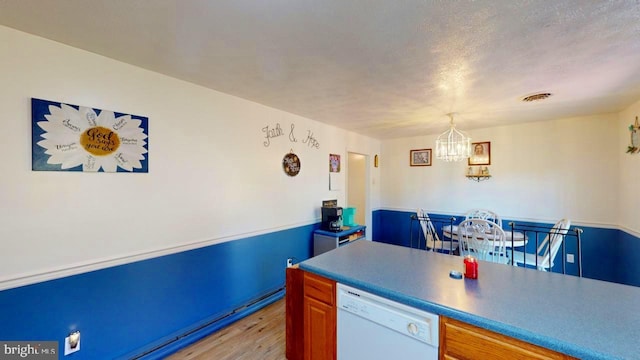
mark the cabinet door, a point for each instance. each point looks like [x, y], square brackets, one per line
[320, 330]
[319, 318]
[462, 341]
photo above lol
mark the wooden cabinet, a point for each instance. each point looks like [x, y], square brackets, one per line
[319, 318]
[462, 341]
[310, 316]
[311, 328]
[294, 329]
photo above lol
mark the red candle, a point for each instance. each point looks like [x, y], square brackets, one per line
[470, 267]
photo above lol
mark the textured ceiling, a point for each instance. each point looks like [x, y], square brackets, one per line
[381, 68]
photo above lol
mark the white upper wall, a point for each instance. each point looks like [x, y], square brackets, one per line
[211, 178]
[629, 175]
[540, 171]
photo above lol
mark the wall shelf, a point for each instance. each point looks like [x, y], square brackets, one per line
[478, 178]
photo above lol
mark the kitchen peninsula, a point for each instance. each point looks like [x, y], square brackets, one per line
[582, 318]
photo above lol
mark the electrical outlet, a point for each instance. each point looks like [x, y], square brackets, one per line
[570, 259]
[72, 343]
[289, 262]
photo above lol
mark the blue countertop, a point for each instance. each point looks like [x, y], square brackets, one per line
[584, 318]
[346, 230]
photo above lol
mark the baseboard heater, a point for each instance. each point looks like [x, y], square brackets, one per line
[178, 342]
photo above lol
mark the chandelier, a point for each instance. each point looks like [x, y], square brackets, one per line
[453, 145]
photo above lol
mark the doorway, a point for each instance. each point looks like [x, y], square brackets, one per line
[357, 187]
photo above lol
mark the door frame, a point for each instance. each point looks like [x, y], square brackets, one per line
[367, 189]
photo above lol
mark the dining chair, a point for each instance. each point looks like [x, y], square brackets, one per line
[450, 233]
[547, 249]
[483, 239]
[432, 240]
[484, 214]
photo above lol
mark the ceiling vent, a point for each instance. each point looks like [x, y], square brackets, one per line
[536, 97]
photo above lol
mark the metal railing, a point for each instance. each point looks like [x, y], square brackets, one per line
[534, 234]
[539, 233]
[439, 222]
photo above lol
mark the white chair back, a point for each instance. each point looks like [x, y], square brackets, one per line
[484, 214]
[483, 239]
[428, 230]
[550, 245]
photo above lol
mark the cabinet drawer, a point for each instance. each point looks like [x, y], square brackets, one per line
[459, 340]
[319, 288]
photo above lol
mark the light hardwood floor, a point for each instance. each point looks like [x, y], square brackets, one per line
[260, 335]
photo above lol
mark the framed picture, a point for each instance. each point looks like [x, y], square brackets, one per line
[334, 163]
[480, 153]
[68, 137]
[420, 157]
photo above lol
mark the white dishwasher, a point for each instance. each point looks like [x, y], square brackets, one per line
[371, 327]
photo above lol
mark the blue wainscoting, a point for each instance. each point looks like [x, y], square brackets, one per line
[392, 227]
[148, 306]
[607, 254]
[131, 309]
[627, 259]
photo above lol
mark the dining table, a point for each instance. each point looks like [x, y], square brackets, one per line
[513, 239]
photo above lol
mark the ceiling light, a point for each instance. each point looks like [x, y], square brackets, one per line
[453, 145]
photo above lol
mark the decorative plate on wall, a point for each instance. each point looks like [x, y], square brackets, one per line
[291, 164]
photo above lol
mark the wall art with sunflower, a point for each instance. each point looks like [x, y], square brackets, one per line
[68, 137]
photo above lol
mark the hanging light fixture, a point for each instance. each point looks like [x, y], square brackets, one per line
[453, 145]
